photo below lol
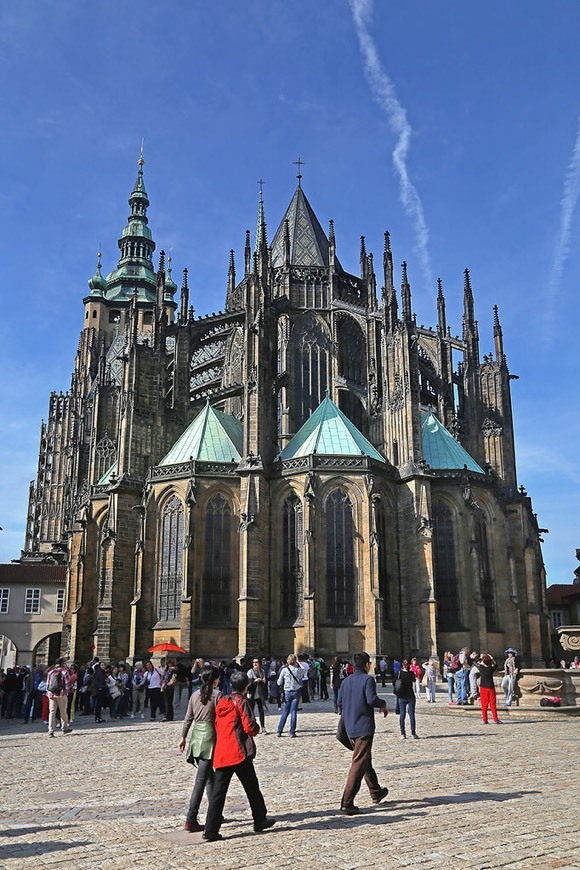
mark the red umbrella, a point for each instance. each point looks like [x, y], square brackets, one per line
[167, 648]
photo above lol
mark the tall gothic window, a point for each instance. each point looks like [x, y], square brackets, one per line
[105, 455]
[352, 407]
[384, 584]
[487, 584]
[171, 575]
[310, 369]
[446, 584]
[217, 563]
[352, 353]
[292, 604]
[340, 571]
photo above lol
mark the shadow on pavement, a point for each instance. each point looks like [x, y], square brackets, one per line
[33, 829]
[28, 850]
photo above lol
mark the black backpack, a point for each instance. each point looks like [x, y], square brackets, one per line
[55, 682]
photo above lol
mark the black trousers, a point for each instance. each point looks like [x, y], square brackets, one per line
[222, 778]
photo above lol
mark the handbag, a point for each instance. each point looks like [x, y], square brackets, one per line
[341, 734]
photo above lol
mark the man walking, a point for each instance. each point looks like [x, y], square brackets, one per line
[57, 689]
[357, 699]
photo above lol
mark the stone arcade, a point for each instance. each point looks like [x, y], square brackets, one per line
[307, 470]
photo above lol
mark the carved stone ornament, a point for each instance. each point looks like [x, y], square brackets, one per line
[570, 638]
[397, 399]
[538, 684]
[490, 427]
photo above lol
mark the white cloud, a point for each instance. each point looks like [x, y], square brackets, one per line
[383, 91]
[567, 208]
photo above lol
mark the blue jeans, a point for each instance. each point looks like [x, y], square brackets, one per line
[507, 685]
[450, 686]
[461, 688]
[290, 707]
[407, 704]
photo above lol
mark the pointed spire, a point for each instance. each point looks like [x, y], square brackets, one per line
[470, 331]
[405, 294]
[388, 266]
[498, 336]
[247, 255]
[97, 283]
[260, 222]
[138, 199]
[231, 273]
[363, 258]
[161, 282]
[441, 317]
[331, 244]
[184, 298]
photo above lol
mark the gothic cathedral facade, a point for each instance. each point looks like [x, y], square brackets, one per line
[308, 470]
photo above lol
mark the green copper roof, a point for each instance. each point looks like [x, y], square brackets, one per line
[328, 431]
[308, 241]
[211, 437]
[440, 449]
[106, 478]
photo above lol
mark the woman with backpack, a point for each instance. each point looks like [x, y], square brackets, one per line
[199, 722]
[406, 699]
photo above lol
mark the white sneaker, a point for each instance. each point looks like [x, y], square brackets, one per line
[132, 716]
[142, 715]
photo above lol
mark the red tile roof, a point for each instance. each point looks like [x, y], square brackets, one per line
[18, 572]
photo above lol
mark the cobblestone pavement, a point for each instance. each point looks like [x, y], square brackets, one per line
[463, 796]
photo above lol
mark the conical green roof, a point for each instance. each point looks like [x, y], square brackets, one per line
[440, 449]
[211, 437]
[328, 431]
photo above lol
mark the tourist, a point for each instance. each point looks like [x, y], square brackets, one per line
[461, 682]
[234, 753]
[415, 668]
[487, 694]
[274, 690]
[154, 680]
[357, 699]
[72, 692]
[99, 690]
[449, 675]
[140, 681]
[431, 680]
[290, 681]
[336, 677]
[304, 664]
[257, 689]
[404, 689]
[200, 718]
[57, 688]
[113, 690]
[323, 679]
[473, 675]
[168, 689]
[383, 667]
[181, 682]
[575, 663]
[510, 670]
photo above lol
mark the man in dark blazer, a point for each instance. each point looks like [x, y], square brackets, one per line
[357, 700]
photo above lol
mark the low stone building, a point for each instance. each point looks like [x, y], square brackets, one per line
[32, 606]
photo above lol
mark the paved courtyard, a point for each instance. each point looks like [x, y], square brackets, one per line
[464, 796]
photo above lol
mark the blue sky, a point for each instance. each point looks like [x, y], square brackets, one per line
[479, 103]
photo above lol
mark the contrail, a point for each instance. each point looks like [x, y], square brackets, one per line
[384, 94]
[567, 207]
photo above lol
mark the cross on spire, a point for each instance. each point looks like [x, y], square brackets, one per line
[261, 183]
[299, 163]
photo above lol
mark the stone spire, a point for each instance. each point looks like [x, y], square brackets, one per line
[184, 306]
[498, 336]
[441, 317]
[470, 329]
[405, 294]
[363, 258]
[247, 255]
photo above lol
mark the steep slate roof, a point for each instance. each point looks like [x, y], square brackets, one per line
[328, 431]
[440, 449]
[21, 572]
[106, 478]
[211, 437]
[308, 241]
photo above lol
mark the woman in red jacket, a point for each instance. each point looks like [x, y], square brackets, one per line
[234, 752]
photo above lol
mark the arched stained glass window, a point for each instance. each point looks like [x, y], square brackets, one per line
[217, 563]
[487, 584]
[292, 603]
[446, 585]
[310, 369]
[171, 567]
[340, 570]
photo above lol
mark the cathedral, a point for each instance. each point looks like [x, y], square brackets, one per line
[307, 470]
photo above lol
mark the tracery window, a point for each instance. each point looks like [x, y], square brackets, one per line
[487, 584]
[340, 569]
[217, 563]
[310, 369]
[446, 584]
[292, 603]
[105, 455]
[352, 353]
[171, 567]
